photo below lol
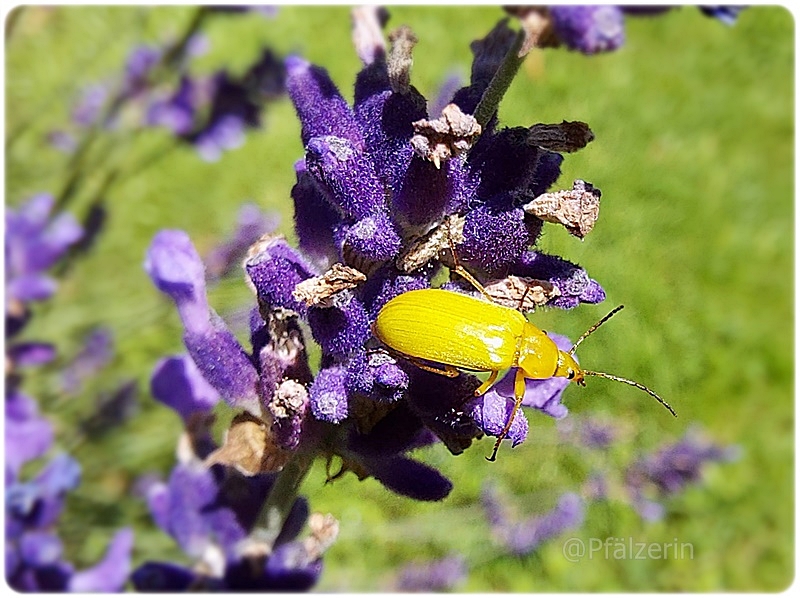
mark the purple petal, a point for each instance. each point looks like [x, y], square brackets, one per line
[289, 568]
[316, 220]
[111, 573]
[320, 107]
[340, 330]
[589, 29]
[162, 577]
[178, 383]
[28, 436]
[436, 576]
[177, 270]
[39, 548]
[275, 269]
[224, 364]
[571, 280]
[408, 477]
[492, 410]
[30, 354]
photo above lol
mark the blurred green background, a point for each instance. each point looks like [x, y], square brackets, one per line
[694, 154]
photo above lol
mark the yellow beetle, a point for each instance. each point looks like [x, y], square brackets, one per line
[455, 330]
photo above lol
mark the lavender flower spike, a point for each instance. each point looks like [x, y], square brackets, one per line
[177, 270]
[589, 29]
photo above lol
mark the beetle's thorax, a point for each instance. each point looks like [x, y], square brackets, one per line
[537, 354]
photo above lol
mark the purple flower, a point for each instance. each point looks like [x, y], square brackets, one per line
[589, 29]
[525, 536]
[87, 111]
[179, 384]
[177, 270]
[35, 241]
[28, 436]
[436, 576]
[670, 470]
[95, 355]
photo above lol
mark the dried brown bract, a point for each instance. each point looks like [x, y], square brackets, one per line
[248, 448]
[521, 292]
[400, 59]
[569, 136]
[450, 135]
[320, 289]
[430, 245]
[576, 209]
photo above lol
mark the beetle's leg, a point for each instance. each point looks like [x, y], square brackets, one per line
[462, 271]
[486, 385]
[519, 393]
[444, 370]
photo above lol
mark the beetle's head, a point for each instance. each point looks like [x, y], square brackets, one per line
[568, 368]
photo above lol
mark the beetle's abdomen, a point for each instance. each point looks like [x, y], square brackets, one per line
[450, 328]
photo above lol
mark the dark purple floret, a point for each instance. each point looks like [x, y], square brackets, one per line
[23, 355]
[275, 269]
[408, 477]
[548, 169]
[224, 364]
[290, 568]
[377, 376]
[178, 383]
[385, 117]
[435, 576]
[506, 163]
[726, 14]
[162, 577]
[573, 283]
[340, 330]
[589, 29]
[320, 107]
[328, 395]
[35, 241]
[176, 113]
[176, 269]
[317, 222]
[494, 237]
[348, 176]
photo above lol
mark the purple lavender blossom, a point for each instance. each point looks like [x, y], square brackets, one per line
[87, 110]
[34, 560]
[436, 576]
[665, 473]
[525, 536]
[35, 240]
[589, 29]
[96, 353]
[178, 384]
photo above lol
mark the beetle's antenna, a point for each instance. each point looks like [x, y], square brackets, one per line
[631, 382]
[593, 328]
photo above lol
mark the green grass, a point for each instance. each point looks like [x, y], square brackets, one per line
[694, 153]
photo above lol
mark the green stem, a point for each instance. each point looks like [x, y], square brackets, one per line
[281, 498]
[500, 83]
